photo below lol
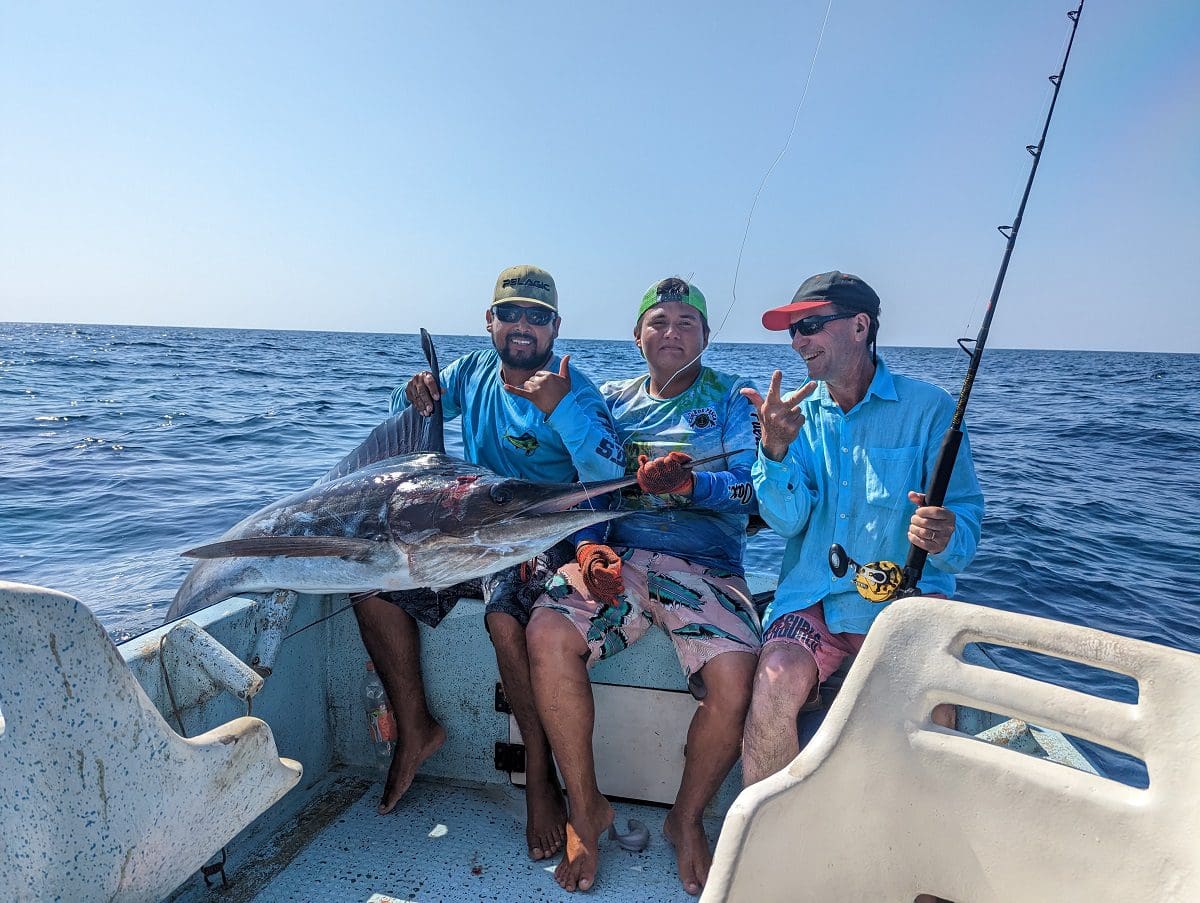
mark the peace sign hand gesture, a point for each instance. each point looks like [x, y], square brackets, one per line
[546, 389]
[778, 415]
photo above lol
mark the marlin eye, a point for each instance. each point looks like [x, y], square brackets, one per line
[501, 494]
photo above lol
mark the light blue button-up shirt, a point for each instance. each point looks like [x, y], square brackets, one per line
[846, 479]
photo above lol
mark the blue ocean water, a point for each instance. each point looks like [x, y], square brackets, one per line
[121, 446]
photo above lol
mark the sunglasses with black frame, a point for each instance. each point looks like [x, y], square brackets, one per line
[813, 325]
[511, 313]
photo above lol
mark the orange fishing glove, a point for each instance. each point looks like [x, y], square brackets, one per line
[665, 475]
[601, 568]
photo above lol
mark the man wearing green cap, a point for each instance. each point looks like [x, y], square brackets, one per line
[675, 562]
[528, 414]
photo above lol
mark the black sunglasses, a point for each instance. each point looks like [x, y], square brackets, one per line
[511, 313]
[813, 325]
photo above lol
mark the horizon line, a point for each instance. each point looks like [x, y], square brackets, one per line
[561, 338]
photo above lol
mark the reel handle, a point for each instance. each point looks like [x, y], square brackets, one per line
[839, 561]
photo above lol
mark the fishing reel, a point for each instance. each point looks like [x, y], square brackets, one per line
[878, 582]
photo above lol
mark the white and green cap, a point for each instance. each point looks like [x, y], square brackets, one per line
[673, 289]
[526, 283]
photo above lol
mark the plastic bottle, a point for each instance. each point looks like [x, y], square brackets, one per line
[381, 724]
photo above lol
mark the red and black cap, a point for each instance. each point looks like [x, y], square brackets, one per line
[833, 287]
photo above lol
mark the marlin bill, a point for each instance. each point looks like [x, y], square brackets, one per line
[396, 513]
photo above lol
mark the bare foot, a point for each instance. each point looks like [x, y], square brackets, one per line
[546, 817]
[405, 761]
[692, 856]
[577, 870]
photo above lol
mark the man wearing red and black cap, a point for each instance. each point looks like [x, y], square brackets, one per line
[843, 460]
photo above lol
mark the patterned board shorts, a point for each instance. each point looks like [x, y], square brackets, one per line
[511, 591]
[705, 611]
[808, 630]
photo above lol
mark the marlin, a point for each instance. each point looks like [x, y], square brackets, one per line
[396, 513]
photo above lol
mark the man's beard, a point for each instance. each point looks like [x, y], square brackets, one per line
[524, 359]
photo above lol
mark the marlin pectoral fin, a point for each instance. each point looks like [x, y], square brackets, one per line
[285, 546]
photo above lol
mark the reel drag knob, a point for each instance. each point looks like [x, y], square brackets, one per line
[839, 561]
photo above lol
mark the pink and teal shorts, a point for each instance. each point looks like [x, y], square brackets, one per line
[705, 611]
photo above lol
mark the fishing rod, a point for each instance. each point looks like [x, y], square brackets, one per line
[882, 581]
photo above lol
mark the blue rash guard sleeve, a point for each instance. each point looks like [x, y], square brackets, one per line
[586, 428]
[732, 490]
[585, 425]
[588, 432]
[594, 533]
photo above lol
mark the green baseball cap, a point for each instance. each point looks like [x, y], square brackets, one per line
[526, 283]
[673, 289]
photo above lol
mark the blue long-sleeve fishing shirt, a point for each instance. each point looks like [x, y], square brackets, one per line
[511, 436]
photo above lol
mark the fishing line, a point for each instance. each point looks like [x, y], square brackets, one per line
[762, 184]
[320, 620]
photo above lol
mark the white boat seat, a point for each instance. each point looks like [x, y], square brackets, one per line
[99, 798]
[882, 804]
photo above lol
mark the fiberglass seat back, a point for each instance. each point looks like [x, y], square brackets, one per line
[99, 798]
[882, 804]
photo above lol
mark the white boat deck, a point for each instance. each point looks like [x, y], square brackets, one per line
[442, 843]
[962, 813]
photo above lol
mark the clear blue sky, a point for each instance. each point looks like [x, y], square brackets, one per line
[373, 166]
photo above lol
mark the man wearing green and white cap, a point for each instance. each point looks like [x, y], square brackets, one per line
[676, 563]
[525, 413]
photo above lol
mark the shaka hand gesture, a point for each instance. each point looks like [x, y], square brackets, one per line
[779, 415]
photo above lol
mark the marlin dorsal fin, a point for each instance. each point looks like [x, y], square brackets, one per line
[406, 433]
